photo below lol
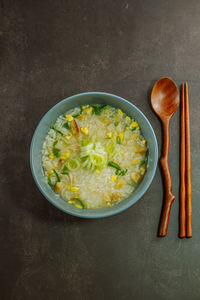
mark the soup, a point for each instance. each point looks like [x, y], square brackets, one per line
[94, 156]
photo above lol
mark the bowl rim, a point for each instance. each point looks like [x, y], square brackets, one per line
[108, 214]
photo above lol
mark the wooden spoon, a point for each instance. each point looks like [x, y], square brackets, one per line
[165, 100]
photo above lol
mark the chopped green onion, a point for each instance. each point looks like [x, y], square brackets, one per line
[123, 172]
[77, 203]
[73, 164]
[75, 116]
[97, 159]
[142, 163]
[56, 152]
[66, 125]
[58, 131]
[134, 128]
[50, 182]
[85, 143]
[116, 123]
[78, 114]
[98, 108]
[92, 154]
[64, 171]
[114, 165]
[118, 140]
[118, 171]
[110, 147]
[55, 142]
[132, 184]
[58, 177]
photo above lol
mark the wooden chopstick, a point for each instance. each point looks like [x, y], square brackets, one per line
[182, 216]
[188, 167]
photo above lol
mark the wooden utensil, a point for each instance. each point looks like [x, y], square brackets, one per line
[165, 101]
[188, 167]
[182, 217]
[185, 168]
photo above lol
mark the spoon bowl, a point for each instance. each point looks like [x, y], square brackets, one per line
[165, 98]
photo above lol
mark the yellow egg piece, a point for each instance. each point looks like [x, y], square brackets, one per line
[114, 178]
[67, 153]
[142, 171]
[68, 136]
[74, 188]
[69, 118]
[136, 161]
[108, 134]
[63, 157]
[134, 124]
[89, 110]
[81, 117]
[120, 112]
[121, 135]
[84, 130]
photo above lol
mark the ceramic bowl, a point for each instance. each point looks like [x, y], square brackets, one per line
[83, 99]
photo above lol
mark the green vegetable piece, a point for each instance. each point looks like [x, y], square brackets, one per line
[114, 165]
[110, 147]
[56, 152]
[97, 159]
[118, 140]
[134, 128]
[50, 182]
[77, 203]
[123, 172]
[97, 109]
[73, 164]
[143, 162]
[85, 143]
[58, 131]
[132, 184]
[108, 107]
[75, 116]
[58, 177]
[78, 114]
[117, 172]
[55, 142]
[65, 171]
[116, 123]
[66, 125]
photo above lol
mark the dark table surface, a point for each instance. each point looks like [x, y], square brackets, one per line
[50, 50]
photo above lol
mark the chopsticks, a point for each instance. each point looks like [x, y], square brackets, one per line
[182, 230]
[185, 167]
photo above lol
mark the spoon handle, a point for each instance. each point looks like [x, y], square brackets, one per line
[169, 197]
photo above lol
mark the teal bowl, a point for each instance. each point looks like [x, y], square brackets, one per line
[83, 99]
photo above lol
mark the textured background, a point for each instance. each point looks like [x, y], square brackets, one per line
[50, 50]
